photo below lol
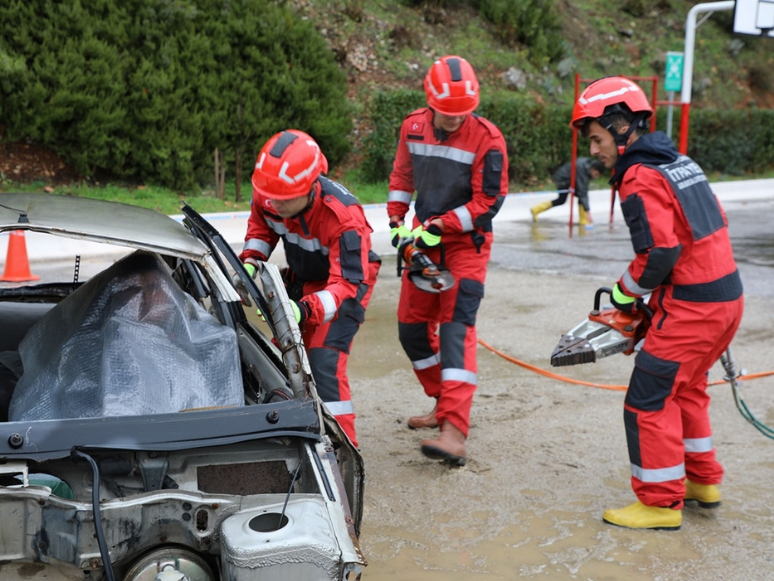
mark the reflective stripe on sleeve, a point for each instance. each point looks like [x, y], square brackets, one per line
[658, 474]
[466, 221]
[426, 363]
[633, 287]
[399, 196]
[463, 375]
[698, 444]
[328, 303]
[259, 246]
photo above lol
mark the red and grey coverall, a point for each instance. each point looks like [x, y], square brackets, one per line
[330, 266]
[684, 259]
[461, 178]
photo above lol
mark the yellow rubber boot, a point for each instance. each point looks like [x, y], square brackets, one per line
[542, 207]
[585, 218]
[640, 516]
[707, 495]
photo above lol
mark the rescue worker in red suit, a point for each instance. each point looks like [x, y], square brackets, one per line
[331, 267]
[684, 261]
[456, 162]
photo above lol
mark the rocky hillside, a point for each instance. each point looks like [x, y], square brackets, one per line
[391, 43]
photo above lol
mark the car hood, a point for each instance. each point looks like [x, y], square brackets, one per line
[98, 221]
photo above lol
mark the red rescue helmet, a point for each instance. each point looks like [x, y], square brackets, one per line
[610, 95]
[288, 165]
[451, 86]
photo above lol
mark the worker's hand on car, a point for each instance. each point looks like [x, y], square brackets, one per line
[240, 287]
[399, 233]
[427, 237]
[301, 310]
[622, 301]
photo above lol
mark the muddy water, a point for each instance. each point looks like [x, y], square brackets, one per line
[547, 457]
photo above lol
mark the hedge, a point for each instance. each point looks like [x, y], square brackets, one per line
[539, 138]
[147, 89]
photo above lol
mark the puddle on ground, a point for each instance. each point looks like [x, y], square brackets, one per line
[556, 545]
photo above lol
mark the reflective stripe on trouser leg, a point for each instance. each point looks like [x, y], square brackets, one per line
[421, 347]
[701, 466]
[417, 333]
[329, 368]
[458, 374]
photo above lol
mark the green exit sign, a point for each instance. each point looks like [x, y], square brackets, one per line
[674, 71]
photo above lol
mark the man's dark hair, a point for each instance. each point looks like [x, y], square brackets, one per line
[618, 116]
[599, 166]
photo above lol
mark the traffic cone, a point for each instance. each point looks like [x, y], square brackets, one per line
[17, 266]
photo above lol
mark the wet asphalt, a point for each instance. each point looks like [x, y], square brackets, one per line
[604, 252]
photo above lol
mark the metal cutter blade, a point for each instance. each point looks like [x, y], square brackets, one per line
[588, 342]
[435, 283]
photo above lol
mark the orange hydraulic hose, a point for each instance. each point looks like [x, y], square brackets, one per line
[545, 373]
[550, 374]
[744, 377]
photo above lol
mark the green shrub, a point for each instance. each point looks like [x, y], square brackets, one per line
[387, 110]
[532, 23]
[147, 89]
[732, 142]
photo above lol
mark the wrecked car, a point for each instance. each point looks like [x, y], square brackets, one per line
[150, 431]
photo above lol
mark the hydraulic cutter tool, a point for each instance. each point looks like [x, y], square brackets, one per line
[423, 272]
[604, 333]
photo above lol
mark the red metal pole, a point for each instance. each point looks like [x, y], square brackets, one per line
[574, 155]
[685, 109]
[654, 102]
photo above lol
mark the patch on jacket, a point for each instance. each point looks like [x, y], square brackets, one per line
[415, 131]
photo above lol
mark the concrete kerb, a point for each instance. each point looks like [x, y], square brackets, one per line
[233, 225]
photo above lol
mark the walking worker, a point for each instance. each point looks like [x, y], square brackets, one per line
[456, 162]
[585, 168]
[684, 260]
[331, 268]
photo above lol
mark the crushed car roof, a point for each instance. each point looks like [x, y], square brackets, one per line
[98, 221]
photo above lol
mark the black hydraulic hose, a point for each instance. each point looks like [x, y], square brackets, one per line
[103, 550]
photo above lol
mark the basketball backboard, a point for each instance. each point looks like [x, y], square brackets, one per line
[754, 17]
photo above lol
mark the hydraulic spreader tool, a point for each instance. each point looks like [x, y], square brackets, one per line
[423, 272]
[604, 333]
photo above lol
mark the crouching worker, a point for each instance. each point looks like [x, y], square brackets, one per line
[585, 169]
[331, 268]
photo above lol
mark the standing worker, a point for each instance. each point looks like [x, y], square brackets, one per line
[585, 168]
[456, 162]
[684, 259]
[331, 268]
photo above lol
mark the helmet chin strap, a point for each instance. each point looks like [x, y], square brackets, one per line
[621, 139]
